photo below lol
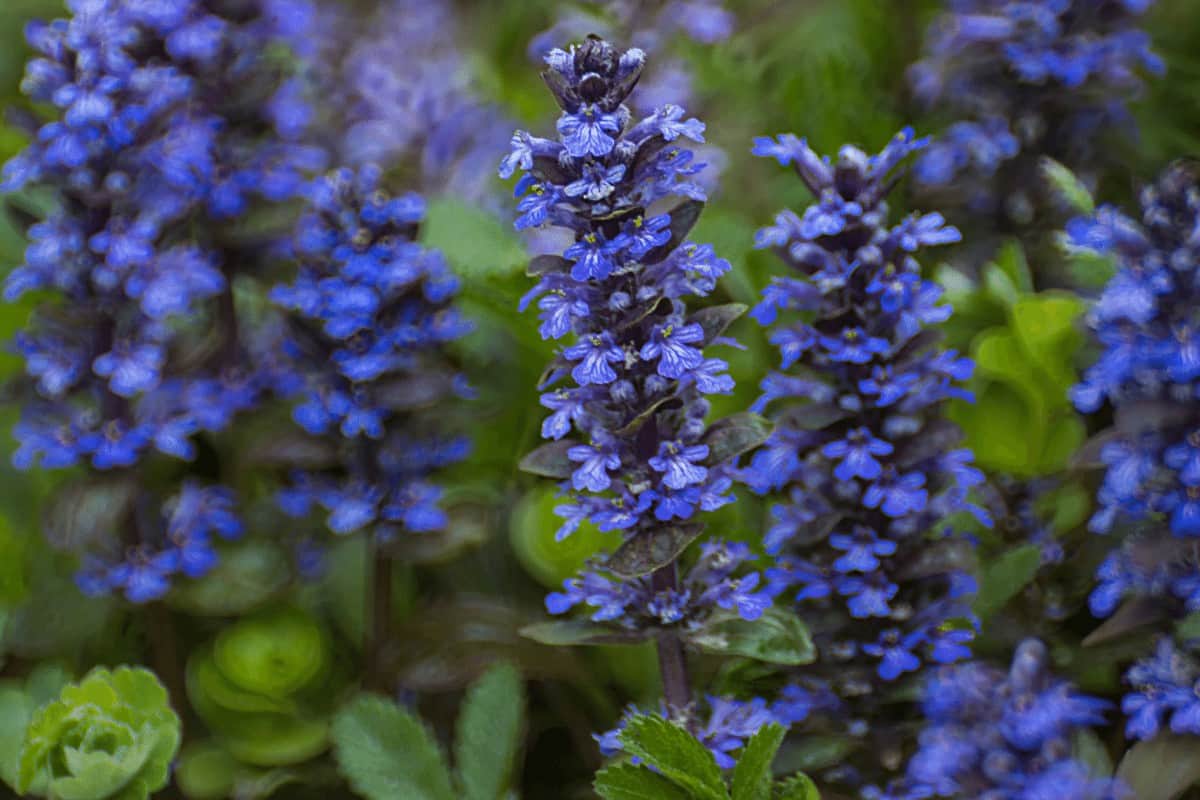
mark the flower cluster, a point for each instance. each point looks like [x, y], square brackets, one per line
[400, 95]
[372, 312]
[1027, 78]
[641, 458]
[638, 604]
[994, 735]
[649, 27]
[154, 148]
[724, 729]
[1149, 371]
[1163, 689]
[869, 466]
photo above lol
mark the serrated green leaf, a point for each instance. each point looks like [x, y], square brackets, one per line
[676, 754]
[797, 787]
[777, 637]
[386, 753]
[752, 774]
[629, 782]
[1004, 577]
[1161, 768]
[488, 736]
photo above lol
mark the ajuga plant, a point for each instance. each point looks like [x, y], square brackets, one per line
[868, 465]
[626, 394]
[651, 27]
[371, 312]
[1027, 79]
[994, 735]
[1147, 373]
[157, 150]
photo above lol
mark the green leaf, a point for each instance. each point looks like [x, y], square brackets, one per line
[1004, 577]
[246, 576]
[1162, 768]
[752, 774]
[628, 782]
[797, 787]
[676, 754]
[532, 529]
[489, 733]
[206, 772]
[386, 753]
[275, 654]
[648, 550]
[777, 637]
[715, 319]
[475, 242]
[566, 633]
[1010, 260]
[735, 435]
[1067, 184]
[1087, 748]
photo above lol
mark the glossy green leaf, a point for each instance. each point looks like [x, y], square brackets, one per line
[489, 733]
[797, 787]
[676, 754]
[752, 773]
[275, 654]
[777, 637]
[550, 460]
[387, 753]
[629, 782]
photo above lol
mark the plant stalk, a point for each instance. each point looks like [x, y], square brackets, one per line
[379, 617]
[672, 662]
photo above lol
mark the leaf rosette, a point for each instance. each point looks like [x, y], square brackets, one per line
[111, 736]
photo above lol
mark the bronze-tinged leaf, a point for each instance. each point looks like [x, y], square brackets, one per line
[1162, 768]
[546, 265]
[635, 424]
[413, 391]
[683, 219]
[288, 448]
[813, 416]
[777, 637]
[550, 460]
[734, 435]
[715, 320]
[648, 550]
[1133, 615]
[94, 509]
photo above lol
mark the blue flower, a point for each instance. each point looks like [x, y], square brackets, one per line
[669, 345]
[588, 132]
[857, 453]
[595, 354]
[679, 464]
[595, 464]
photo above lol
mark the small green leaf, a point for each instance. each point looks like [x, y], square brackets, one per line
[386, 753]
[550, 460]
[797, 787]
[1087, 749]
[752, 774]
[566, 633]
[1067, 184]
[489, 733]
[1004, 577]
[1161, 768]
[777, 637]
[206, 772]
[648, 550]
[735, 435]
[1010, 259]
[628, 782]
[676, 754]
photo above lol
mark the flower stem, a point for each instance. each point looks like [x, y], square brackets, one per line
[672, 663]
[379, 617]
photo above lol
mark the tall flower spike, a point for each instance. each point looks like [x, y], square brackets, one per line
[626, 393]
[989, 734]
[371, 314]
[155, 147]
[1149, 372]
[860, 448]
[1027, 79]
